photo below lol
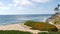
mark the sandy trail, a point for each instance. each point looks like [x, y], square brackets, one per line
[20, 27]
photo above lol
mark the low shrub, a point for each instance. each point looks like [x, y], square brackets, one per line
[42, 26]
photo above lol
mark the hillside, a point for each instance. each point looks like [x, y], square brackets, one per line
[54, 19]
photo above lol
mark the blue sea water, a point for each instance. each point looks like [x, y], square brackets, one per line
[9, 19]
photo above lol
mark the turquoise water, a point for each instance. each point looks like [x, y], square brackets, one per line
[9, 19]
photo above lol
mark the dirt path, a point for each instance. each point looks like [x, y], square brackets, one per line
[20, 27]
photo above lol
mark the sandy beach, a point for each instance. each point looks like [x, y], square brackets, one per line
[20, 27]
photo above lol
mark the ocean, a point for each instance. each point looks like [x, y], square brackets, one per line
[10, 19]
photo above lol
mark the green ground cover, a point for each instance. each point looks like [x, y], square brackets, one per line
[49, 33]
[42, 26]
[13, 32]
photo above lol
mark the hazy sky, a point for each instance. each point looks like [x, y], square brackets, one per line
[28, 6]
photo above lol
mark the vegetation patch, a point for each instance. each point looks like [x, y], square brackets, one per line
[13, 32]
[42, 26]
[49, 33]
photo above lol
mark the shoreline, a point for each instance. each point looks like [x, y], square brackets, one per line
[11, 23]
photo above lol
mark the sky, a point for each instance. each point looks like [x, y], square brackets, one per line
[28, 6]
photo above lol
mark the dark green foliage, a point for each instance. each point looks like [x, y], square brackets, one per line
[13, 32]
[49, 33]
[42, 26]
[43, 33]
[56, 9]
[53, 29]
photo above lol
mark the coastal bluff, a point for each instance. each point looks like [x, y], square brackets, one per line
[55, 19]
